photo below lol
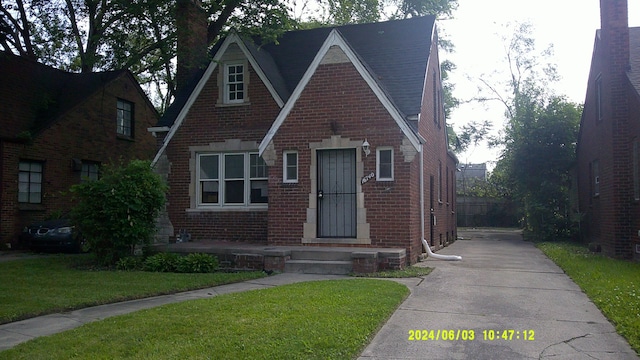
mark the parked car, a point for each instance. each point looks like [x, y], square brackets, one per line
[57, 235]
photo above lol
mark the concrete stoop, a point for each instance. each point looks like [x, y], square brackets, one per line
[297, 259]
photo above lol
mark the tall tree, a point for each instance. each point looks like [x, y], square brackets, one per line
[539, 137]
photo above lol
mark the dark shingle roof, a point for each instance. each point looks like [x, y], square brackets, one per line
[634, 53]
[34, 95]
[395, 52]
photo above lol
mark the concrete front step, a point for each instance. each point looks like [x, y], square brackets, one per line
[322, 254]
[325, 267]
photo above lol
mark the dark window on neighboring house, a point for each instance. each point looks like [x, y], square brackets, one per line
[599, 98]
[125, 118]
[89, 171]
[30, 182]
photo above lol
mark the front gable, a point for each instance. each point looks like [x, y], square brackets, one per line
[336, 50]
[232, 52]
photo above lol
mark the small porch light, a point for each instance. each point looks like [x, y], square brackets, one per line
[365, 147]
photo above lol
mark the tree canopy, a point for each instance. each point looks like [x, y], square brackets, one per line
[96, 35]
[539, 138]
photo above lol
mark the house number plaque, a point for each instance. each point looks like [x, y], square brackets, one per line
[366, 178]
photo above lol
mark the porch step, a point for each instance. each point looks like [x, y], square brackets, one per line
[327, 254]
[325, 267]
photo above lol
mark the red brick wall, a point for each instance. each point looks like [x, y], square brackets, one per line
[87, 132]
[337, 101]
[207, 123]
[435, 158]
[609, 218]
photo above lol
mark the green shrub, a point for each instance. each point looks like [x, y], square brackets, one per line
[129, 263]
[197, 263]
[117, 212]
[162, 262]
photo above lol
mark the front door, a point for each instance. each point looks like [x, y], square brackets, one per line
[337, 193]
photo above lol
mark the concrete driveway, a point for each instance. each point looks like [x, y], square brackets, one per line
[503, 283]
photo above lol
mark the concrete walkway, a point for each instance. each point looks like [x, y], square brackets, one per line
[503, 283]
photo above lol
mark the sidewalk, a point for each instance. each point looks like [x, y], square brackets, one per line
[502, 283]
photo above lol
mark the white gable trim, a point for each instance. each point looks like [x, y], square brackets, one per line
[335, 38]
[231, 39]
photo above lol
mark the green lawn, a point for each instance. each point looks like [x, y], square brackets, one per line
[613, 285]
[46, 285]
[312, 320]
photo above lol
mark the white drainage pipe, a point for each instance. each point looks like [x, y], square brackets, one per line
[439, 256]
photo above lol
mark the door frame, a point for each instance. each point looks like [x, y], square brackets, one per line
[310, 226]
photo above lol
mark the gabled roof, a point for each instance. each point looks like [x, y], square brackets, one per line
[35, 95]
[394, 52]
[634, 61]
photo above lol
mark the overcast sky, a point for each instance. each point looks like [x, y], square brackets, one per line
[569, 25]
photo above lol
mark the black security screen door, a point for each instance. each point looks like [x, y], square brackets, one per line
[337, 193]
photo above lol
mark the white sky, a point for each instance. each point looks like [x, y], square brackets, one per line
[569, 25]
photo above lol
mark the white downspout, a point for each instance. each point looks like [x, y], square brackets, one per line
[424, 242]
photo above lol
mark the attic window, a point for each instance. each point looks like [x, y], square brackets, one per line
[234, 83]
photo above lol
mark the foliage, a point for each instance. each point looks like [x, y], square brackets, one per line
[611, 284]
[32, 287]
[117, 212]
[539, 138]
[130, 263]
[191, 263]
[95, 35]
[310, 320]
[197, 263]
[162, 262]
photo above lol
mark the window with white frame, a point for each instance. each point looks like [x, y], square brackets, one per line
[384, 163]
[30, 182]
[234, 83]
[290, 167]
[124, 118]
[231, 179]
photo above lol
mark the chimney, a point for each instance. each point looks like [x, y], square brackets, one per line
[614, 22]
[191, 27]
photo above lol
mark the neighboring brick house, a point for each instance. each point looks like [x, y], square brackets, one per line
[608, 158]
[58, 127]
[331, 137]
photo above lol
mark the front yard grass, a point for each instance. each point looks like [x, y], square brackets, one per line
[613, 285]
[33, 287]
[313, 320]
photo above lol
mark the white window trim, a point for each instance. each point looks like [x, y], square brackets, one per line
[378, 150]
[225, 82]
[221, 205]
[285, 165]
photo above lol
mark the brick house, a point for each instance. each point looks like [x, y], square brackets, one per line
[608, 170]
[57, 128]
[333, 137]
